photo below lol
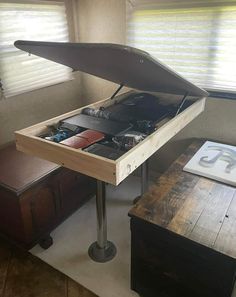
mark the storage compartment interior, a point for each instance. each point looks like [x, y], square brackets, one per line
[116, 126]
[100, 156]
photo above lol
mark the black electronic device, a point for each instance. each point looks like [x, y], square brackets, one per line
[139, 107]
[108, 127]
[104, 151]
[73, 128]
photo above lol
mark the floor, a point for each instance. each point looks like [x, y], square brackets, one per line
[23, 275]
[69, 252]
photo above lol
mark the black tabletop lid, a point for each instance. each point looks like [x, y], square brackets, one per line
[120, 64]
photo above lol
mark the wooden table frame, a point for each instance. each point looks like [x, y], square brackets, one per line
[103, 169]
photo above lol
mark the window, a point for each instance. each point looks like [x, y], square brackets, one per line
[20, 72]
[197, 39]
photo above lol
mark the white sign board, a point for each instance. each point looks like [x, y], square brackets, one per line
[216, 161]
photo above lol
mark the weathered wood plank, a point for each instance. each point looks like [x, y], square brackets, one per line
[186, 218]
[226, 239]
[172, 182]
[163, 209]
[209, 223]
[168, 207]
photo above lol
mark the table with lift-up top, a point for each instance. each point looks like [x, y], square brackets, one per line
[128, 67]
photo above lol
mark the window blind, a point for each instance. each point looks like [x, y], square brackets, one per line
[20, 72]
[196, 39]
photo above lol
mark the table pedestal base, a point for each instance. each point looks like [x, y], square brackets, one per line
[101, 250]
[102, 255]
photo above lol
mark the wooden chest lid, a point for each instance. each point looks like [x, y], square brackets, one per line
[191, 206]
[19, 171]
[120, 64]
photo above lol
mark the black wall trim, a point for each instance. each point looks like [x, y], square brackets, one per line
[222, 95]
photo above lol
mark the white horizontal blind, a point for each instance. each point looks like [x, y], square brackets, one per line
[20, 72]
[199, 41]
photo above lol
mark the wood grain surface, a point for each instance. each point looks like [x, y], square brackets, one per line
[195, 207]
[23, 275]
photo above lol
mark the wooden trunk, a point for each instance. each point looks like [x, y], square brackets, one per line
[32, 205]
[183, 236]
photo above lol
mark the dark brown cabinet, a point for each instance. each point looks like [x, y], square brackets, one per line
[36, 196]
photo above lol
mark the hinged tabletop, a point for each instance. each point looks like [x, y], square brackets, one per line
[118, 63]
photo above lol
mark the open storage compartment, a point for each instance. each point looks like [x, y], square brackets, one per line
[125, 66]
[111, 171]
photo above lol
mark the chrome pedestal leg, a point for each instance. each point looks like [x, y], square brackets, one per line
[102, 250]
[144, 177]
[144, 180]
